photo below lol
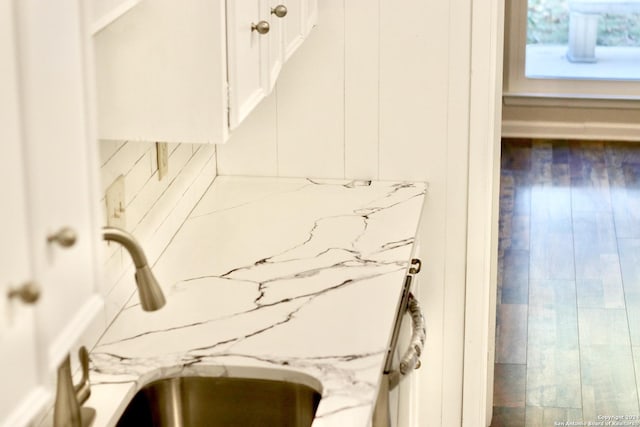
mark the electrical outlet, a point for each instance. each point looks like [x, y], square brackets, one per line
[162, 151]
[116, 203]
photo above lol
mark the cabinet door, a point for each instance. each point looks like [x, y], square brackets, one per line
[59, 150]
[294, 26]
[276, 43]
[247, 57]
[310, 15]
[18, 350]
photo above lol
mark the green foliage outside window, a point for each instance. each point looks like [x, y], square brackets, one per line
[548, 23]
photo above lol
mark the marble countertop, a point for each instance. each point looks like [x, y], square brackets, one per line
[287, 274]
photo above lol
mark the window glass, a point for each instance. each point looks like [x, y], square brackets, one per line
[583, 39]
[584, 50]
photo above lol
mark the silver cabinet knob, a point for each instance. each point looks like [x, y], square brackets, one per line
[28, 293]
[261, 27]
[65, 237]
[280, 11]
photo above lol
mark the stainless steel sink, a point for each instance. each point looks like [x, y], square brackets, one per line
[221, 401]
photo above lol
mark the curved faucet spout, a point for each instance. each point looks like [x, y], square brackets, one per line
[151, 296]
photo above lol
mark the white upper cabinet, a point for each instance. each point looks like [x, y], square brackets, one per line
[60, 166]
[277, 19]
[250, 34]
[159, 75]
[18, 349]
[310, 10]
[191, 71]
[48, 169]
[294, 32]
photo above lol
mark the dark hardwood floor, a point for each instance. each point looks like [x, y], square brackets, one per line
[568, 314]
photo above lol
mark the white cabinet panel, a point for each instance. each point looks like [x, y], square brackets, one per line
[288, 22]
[56, 141]
[18, 347]
[249, 79]
[47, 182]
[310, 14]
[17, 322]
[294, 32]
[276, 41]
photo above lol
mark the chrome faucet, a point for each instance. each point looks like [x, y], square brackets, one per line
[151, 296]
[68, 411]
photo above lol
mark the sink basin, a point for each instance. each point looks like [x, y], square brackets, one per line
[221, 401]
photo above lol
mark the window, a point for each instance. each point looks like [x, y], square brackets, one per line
[581, 49]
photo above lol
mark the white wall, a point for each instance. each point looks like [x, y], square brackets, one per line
[380, 90]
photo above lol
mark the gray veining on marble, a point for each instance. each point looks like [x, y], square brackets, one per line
[288, 274]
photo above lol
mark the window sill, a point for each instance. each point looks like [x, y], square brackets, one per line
[571, 101]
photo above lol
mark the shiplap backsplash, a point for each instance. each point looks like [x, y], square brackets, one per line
[155, 209]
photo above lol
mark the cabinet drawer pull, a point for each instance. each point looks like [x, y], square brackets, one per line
[261, 27]
[28, 293]
[280, 11]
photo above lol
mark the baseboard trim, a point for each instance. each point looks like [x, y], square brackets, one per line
[571, 130]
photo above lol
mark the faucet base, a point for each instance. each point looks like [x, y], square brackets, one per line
[87, 415]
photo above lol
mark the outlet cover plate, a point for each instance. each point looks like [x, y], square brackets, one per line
[116, 207]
